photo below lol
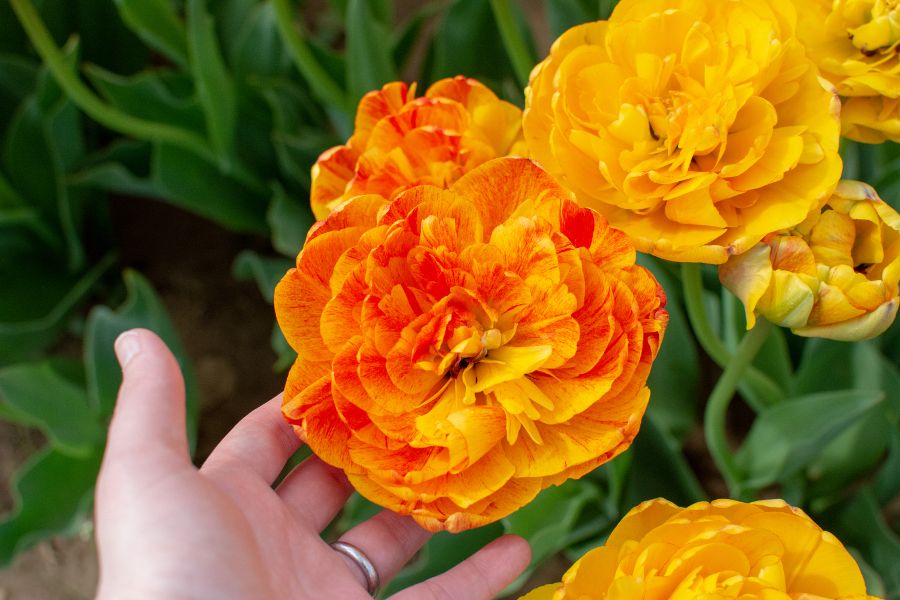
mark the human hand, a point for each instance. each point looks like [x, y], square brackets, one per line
[166, 529]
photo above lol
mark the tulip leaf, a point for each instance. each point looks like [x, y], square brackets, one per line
[159, 95]
[122, 168]
[37, 394]
[142, 308]
[53, 493]
[192, 183]
[257, 49]
[565, 14]
[266, 272]
[659, 469]
[18, 76]
[215, 89]
[158, 25]
[36, 303]
[546, 536]
[786, 437]
[824, 356]
[289, 220]
[369, 61]
[887, 483]
[675, 377]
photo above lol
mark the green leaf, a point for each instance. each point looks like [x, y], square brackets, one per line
[122, 167]
[289, 220]
[156, 22]
[824, 356]
[53, 493]
[659, 469]
[547, 536]
[467, 41]
[369, 61]
[258, 49]
[265, 271]
[787, 437]
[887, 483]
[142, 308]
[160, 95]
[18, 76]
[214, 85]
[565, 14]
[675, 378]
[35, 304]
[442, 552]
[192, 183]
[37, 394]
[861, 446]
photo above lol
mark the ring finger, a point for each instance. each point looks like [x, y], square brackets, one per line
[389, 541]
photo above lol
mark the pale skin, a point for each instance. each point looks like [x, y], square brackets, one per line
[166, 529]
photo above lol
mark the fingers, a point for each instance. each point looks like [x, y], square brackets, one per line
[259, 444]
[389, 541]
[149, 413]
[315, 492]
[480, 577]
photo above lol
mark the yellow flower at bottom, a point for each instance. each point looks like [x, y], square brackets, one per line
[723, 549]
[835, 275]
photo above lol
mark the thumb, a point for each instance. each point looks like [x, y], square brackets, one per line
[149, 414]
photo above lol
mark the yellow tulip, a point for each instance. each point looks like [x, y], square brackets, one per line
[696, 126]
[856, 44]
[835, 275]
[714, 550]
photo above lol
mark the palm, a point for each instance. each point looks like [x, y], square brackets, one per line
[167, 529]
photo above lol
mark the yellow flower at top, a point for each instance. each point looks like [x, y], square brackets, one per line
[696, 126]
[834, 276]
[856, 44]
[401, 141]
[765, 550]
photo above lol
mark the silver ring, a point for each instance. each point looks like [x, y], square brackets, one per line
[362, 561]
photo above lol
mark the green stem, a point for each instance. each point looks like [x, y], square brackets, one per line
[87, 101]
[717, 405]
[321, 84]
[516, 48]
[759, 384]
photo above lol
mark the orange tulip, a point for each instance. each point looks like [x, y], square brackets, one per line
[460, 350]
[722, 549]
[402, 141]
[696, 126]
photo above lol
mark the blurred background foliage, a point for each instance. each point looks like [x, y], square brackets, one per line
[220, 107]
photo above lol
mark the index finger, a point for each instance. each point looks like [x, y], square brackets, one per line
[261, 443]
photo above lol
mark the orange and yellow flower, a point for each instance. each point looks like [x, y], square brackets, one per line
[834, 276]
[460, 350]
[401, 141]
[856, 44]
[721, 549]
[696, 126]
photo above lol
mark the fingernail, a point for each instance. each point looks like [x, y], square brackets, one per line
[127, 345]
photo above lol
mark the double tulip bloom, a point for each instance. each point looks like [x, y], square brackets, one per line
[835, 275]
[459, 350]
[697, 127]
[401, 141]
[720, 549]
[856, 44]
